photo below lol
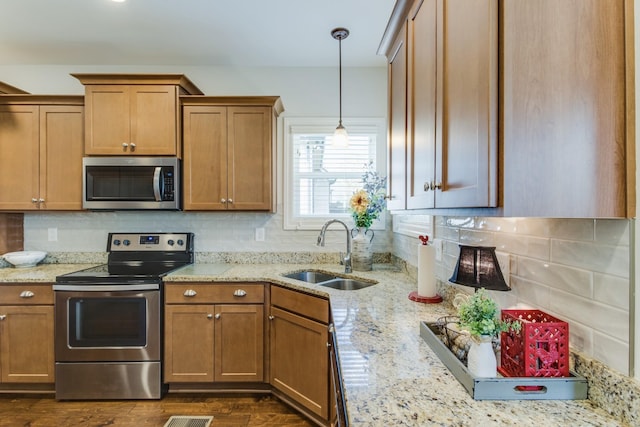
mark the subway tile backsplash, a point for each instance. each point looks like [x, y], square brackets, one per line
[575, 269]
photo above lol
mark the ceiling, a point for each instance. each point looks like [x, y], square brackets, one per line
[240, 33]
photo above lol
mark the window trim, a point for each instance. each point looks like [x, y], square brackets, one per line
[314, 124]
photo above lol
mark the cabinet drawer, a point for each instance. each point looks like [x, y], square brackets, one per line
[213, 293]
[26, 294]
[300, 303]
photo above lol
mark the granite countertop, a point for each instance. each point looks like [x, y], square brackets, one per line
[390, 375]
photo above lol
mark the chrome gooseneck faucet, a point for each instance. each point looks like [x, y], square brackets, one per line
[347, 259]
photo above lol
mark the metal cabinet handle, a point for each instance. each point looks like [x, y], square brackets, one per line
[40, 200]
[217, 316]
[230, 200]
[223, 200]
[133, 146]
[26, 294]
[34, 200]
[437, 186]
[125, 145]
[209, 316]
[190, 293]
[3, 316]
[427, 186]
[239, 293]
[271, 317]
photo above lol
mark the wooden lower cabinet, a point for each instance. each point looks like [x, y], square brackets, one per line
[299, 366]
[206, 342]
[26, 334]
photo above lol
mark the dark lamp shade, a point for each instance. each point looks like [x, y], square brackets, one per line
[478, 267]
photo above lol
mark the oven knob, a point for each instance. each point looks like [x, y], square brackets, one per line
[116, 242]
[180, 242]
[126, 242]
[170, 242]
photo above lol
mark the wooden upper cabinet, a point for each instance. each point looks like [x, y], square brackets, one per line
[397, 144]
[450, 96]
[229, 153]
[421, 126]
[467, 105]
[128, 114]
[568, 108]
[41, 149]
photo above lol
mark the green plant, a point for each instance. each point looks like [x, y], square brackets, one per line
[479, 315]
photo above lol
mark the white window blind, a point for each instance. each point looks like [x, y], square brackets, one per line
[322, 177]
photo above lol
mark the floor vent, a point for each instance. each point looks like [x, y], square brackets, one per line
[188, 421]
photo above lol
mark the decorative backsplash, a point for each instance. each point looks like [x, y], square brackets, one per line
[575, 269]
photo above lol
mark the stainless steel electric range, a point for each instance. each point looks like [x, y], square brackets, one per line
[108, 327]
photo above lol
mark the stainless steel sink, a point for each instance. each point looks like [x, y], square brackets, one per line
[310, 276]
[346, 284]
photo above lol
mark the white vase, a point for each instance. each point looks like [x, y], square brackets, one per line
[481, 360]
[361, 254]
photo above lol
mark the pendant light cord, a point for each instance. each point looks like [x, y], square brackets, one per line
[340, 77]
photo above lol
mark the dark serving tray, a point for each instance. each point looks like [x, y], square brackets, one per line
[573, 387]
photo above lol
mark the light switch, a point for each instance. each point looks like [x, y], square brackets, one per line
[52, 234]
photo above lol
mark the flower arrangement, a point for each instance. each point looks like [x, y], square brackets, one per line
[479, 315]
[367, 203]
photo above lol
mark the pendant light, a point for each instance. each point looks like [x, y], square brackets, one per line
[340, 136]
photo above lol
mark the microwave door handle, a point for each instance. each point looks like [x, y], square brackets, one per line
[156, 184]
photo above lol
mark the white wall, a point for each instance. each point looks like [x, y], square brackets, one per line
[305, 92]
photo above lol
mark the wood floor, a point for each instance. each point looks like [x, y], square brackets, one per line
[227, 411]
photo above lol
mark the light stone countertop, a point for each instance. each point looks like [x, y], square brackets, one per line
[390, 375]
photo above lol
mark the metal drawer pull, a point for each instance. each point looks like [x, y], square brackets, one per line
[239, 293]
[3, 316]
[209, 316]
[190, 293]
[217, 316]
[26, 294]
[271, 317]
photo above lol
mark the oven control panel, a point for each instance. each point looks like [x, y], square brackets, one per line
[172, 242]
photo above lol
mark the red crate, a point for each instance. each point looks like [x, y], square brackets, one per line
[540, 349]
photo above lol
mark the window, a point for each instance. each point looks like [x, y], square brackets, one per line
[320, 178]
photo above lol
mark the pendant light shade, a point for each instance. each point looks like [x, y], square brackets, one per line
[478, 267]
[340, 136]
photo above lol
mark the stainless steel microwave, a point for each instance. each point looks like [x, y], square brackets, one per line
[119, 183]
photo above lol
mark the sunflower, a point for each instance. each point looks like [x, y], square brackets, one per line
[359, 202]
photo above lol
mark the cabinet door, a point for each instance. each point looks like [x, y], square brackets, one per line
[239, 343]
[61, 150]
[422, 76]
[107, 119]
[154, 128]
[300, 360]
[205, 157]
[188, 354]
[568, 149]
[19, 157]
[467, 141]
[250, 158]
[397, 70]
[26, 344]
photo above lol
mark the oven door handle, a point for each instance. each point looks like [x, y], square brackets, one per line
[156, 184]
[106, 287]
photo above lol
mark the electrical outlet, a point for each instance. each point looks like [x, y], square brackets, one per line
[52, 234]
[437, 244]
[260, 234]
